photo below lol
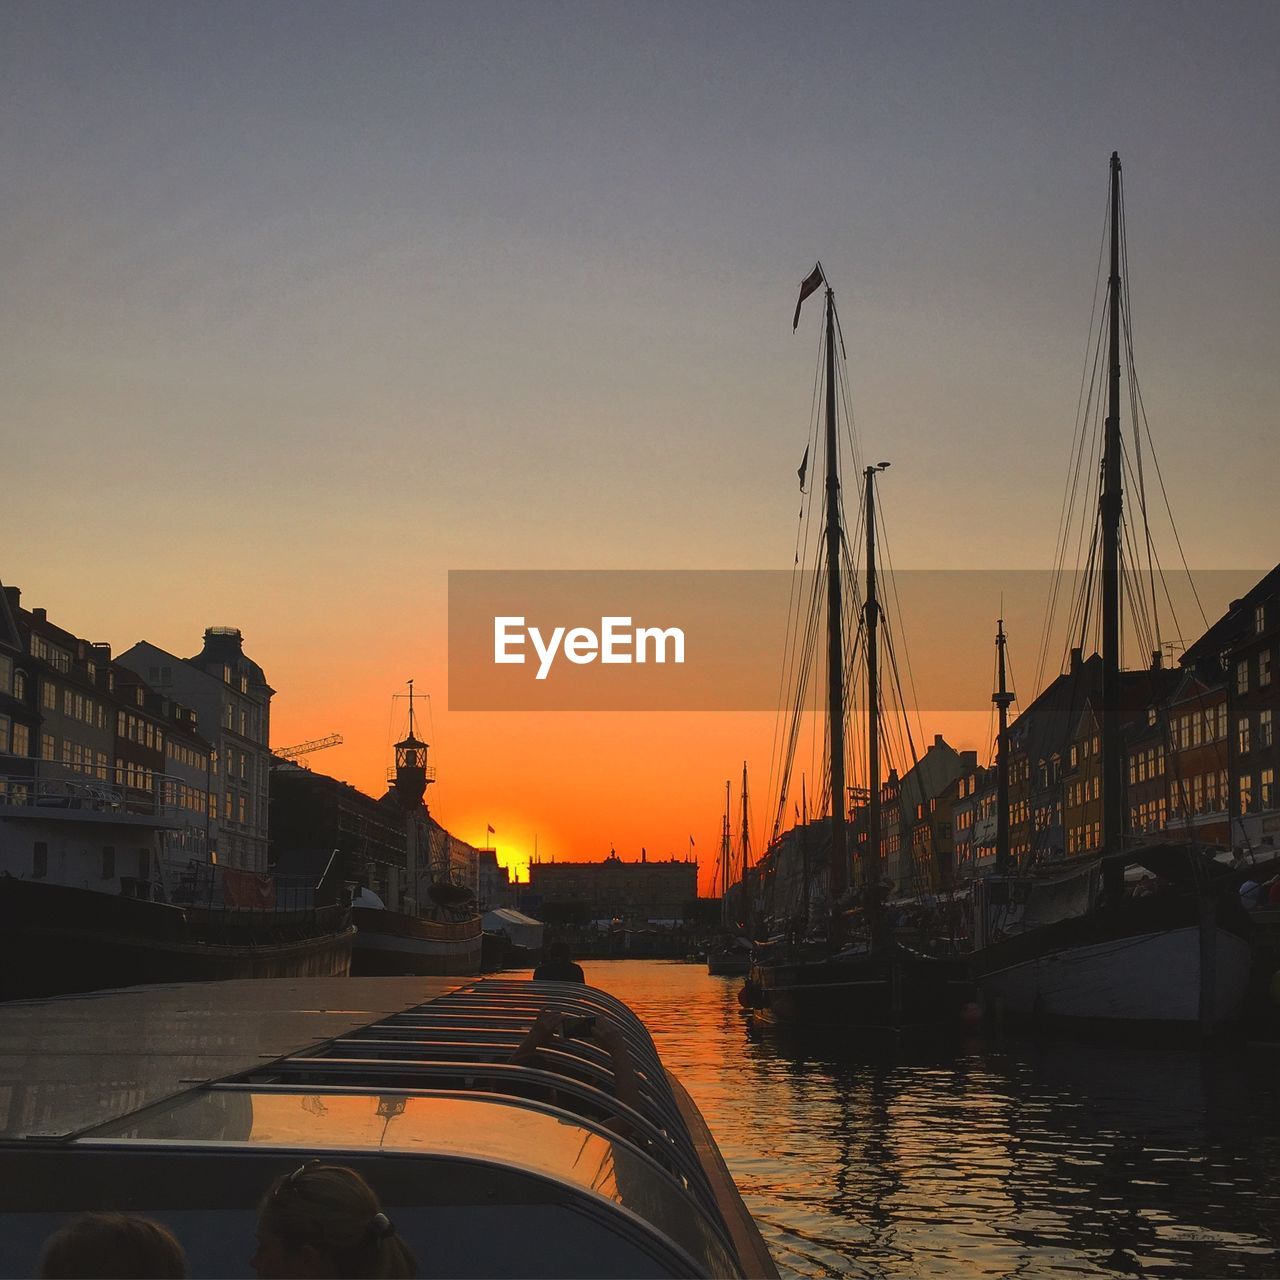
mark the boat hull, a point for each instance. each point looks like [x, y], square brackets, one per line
[892, 990]
[388, 943]
[728, 963]
[1195, 978]
[57, 940]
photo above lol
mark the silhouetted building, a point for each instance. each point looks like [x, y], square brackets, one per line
[614, 889]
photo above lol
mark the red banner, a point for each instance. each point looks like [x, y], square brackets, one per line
[248, 889]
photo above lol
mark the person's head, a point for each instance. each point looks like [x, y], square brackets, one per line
[112, 1245]
[324, 1220]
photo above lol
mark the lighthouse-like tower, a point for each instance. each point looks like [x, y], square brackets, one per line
[412, 774]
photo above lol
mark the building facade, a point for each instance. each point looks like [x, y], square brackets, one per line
[232, 701]
[613, 888]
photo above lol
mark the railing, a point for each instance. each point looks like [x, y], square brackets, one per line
[87, 793]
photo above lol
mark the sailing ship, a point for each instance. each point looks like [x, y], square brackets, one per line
[1072, 943]
[843, 980]
[730, 953]
[442, 935]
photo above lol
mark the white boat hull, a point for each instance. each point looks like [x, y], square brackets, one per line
[1178, 976]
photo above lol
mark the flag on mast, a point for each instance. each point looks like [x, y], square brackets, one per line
[811, 282]
[804, 467]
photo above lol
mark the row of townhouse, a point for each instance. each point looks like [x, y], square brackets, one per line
[114, 766]
[1200, 752]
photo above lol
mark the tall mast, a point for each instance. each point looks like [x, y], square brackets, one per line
[871, 610]
[835, 620]
[1002, 698]
[1112, 763]
[746, 856]
[724, 860]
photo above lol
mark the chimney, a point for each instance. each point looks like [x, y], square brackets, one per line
[1157, 659]
[937, 740]
[39, 615]
[1077, 658]
[14, 596]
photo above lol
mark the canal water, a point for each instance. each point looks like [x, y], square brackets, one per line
[1010, 1158]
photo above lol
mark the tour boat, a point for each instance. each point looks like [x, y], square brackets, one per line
[182, 1104]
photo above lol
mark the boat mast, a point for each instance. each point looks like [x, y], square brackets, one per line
[871, 865]
[836, 874]
[1111, 505]
[746, 847]
[1002, 698]
[724, 860]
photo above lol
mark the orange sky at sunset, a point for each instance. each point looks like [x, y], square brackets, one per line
[306, 306]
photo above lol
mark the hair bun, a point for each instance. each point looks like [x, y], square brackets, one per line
[383, 1226]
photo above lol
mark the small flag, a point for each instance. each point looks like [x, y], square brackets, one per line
[489, 831]
[804, 467]
[811, 282]
[690, 842]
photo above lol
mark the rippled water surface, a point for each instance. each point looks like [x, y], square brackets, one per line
[978, 1159]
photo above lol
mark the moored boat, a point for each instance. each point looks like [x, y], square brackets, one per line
[855, 975]
[487, 1166]
[1076, 941]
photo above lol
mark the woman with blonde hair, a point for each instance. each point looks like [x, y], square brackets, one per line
[324, 1220]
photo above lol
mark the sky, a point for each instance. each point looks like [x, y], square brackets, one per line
[305, 305]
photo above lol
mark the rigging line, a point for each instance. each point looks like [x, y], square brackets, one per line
[1164, 493]
[1068, 498]
[1087, 586]
[789, 663]
[883, 547]
[1137, 392]
[800, 558]
[1091, 434]
[1131, 364]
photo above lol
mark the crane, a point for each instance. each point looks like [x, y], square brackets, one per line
[306, 748]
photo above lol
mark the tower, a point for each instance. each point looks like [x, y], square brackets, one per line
[412, 773]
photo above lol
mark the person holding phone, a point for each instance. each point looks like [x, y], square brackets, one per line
[553, 1024]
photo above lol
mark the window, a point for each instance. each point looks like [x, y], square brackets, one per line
[48, 748]
[1242, 677]
[1264, 728]
[48, 696]
[21, 740]
[20, 685]
[1260, 619]
[1242, 730]
[1151, 717]
[108, 862]
[1264, 668]
[39, 860]
[1222, 720]
[1246, 793]
[1267, 789]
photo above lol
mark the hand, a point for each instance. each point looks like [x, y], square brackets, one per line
[545, 1027]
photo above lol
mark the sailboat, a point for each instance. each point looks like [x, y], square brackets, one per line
[1072, 943]
[842, 982]
[442, 935]
[731, 953]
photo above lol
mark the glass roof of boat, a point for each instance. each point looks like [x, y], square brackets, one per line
[367, 1066]
[456, 1126]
